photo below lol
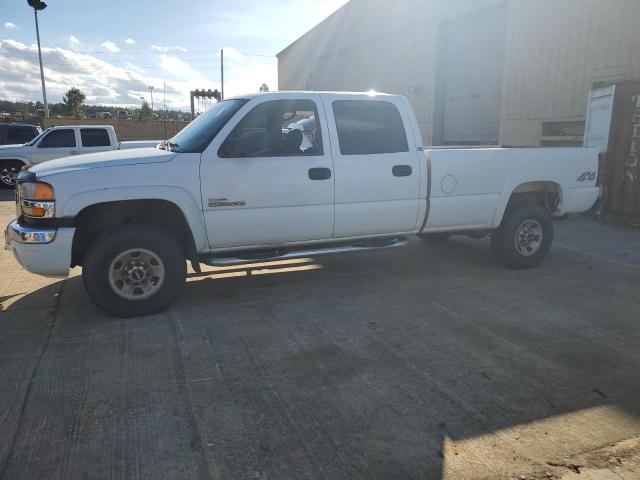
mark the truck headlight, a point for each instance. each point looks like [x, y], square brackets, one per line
[37, 199]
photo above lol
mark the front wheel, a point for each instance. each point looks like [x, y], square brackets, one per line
[133, 271]
[9, 173]
[525, 237]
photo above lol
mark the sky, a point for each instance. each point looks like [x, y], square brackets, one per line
[113, 50]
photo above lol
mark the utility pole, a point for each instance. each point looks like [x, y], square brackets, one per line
[222, 74]
[151, 90]
[38, 5]
[164, 101]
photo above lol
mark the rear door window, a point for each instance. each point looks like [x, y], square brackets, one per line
[367, 127]
[65, 138]
[94, 137]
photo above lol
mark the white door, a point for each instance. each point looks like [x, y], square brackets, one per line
[95, 140]
[265, 181]
[376, 162]
[599, 118]
[55, 144]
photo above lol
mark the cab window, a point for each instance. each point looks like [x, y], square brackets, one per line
[369, 127]
[94, 137]
[277, 128]
[59, 139]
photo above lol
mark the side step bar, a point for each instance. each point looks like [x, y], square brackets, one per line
[314, 251]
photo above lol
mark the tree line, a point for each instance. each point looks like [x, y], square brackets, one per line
[73, 106]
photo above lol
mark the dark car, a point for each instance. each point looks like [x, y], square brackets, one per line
[17, 133]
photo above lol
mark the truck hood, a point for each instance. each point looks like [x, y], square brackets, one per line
[11, 149]
[112, 158]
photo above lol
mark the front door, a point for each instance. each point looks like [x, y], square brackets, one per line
[267, 177]
[55, 144]
[377, 165]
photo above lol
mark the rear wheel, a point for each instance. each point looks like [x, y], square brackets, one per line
[525, 237]
[9, 173]
[134, 270]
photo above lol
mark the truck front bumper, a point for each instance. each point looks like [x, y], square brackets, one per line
[45, 251]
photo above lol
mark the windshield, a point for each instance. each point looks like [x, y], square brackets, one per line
[35, 140]
[198, 134]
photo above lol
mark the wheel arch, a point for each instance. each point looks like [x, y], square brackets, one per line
[25, 161]
[95, 219]
[533, 189]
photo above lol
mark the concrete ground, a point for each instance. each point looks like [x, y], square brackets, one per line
[424, 363]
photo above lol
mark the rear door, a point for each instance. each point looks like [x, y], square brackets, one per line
[55, 144]
[264, 183]
[377, 169]
[95, 140]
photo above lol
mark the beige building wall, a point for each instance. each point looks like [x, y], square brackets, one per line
[555, 50]
[375, 45]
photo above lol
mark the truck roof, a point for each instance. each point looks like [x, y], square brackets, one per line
[370, 93]
[81, 126]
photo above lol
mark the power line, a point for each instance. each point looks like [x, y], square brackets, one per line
[147, 52]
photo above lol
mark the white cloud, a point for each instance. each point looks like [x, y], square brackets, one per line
[165, 48]
[129, 41]
[112, 47]
[101, 81]
[11, 26]
[233, 54]
[176, 67]
[122, 83]
[74, 40]
[247, 77]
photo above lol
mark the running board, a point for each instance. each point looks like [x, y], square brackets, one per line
[314, 251]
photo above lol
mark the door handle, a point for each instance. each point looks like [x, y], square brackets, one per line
[402, 170]
[319, 173]
[73, 152]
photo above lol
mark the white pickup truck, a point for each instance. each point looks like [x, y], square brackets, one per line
[284, 175]
[57, 142]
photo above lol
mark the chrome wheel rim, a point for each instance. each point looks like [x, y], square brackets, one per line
[136, 274]
[528, 238]
[8, 175]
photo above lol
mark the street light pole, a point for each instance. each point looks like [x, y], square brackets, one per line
[151, 90]
[222, 74]
[38, 5]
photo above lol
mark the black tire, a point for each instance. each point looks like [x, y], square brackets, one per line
[434, 237]
[518, 222]
[104, 251]
[8, 169]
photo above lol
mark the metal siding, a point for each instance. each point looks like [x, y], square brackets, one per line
[554, 51]
[358, 49]
[472, 80]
